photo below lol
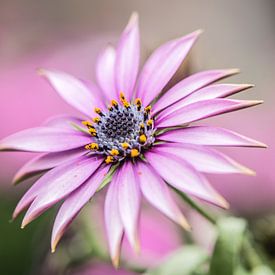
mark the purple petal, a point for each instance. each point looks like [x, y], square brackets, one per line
[45, 162]
[129, 202]
[184, 177]
[44, 139]
[206, 135]
[105, 72]
[127, 60]
[204, 159]
[74, 203]
[113, 223]
[155, 190]
[209, 92]
[162, 65]
[63, 121]
[74, 91]
[189, 85]
[60, 182]
[203, 109]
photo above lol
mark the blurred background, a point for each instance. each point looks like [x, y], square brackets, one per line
[67, 35]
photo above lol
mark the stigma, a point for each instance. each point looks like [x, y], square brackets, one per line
[123, 130]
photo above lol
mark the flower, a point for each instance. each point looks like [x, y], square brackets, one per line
[142, 139]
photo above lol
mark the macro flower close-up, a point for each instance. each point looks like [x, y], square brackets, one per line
[137, 154]
[131, 135]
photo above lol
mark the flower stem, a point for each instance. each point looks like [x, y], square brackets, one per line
[195, 206]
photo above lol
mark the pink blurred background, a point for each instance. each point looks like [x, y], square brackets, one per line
[67, 35]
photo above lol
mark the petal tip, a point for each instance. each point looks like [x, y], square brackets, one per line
[115, 261]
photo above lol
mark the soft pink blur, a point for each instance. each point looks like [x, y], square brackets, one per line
[27, 99]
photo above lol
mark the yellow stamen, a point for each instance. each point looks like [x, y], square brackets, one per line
[141, 126]
[110, 108]
[138, 101]
[114, 102]
[96, 119]
[122, 97]
[92, 146]
[142, 138]
[148, 109]
[98, 110]
[114, 152]
[126, 104]
[150, 122]
[109, 159]
[92, 130]
[125, 145]
[134, 153]
[87, 123]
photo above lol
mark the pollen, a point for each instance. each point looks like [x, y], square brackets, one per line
[114, 152]
[134, 153]
[92, 146]
[87, 124]
[114, 103]
[148, 109]
[109, 159]
[138, 101]
[96, 119]
[150, 122]
[98, 111]
[125, 145]
[142, 138]
[122, 97]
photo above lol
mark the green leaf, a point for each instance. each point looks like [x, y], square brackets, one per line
[225, 259]
[185, 261]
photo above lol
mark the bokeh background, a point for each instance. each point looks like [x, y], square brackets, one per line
[67, 35]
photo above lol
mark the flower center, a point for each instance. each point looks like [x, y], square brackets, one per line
[124, 130]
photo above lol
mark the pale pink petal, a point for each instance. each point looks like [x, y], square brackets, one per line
[44, 139]
[209, 92]
[204, 159]
[74, 203]
[203, 109]
[113, 223]
[105, 68]
[189, 85]
[63, 180]
[127, 59]
[74, 92]
[181, 175]
[162, 65]
[156, 191]
[207, 135]
[45, 162]
[63, 121]
[129, 202]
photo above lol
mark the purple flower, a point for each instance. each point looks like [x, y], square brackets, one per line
[142, 140]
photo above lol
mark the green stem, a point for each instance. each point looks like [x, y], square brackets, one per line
[195, 206]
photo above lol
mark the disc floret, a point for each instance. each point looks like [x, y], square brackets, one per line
[124, 130]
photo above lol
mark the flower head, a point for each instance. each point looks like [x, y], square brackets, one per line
[141, 139]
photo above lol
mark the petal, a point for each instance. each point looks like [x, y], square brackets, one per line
[113, 223]
[162, 65]
[44, 139]
[63, 121]
[74, 203]
[129, 202]
[204, 159]
[189, 85]
[127, 59]
[45, 162]
[207, 135]
[105, 75]
[74, 92]
[63, 180]
[203, 109]
[155, 190]
[181, 175]
[209, 92]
